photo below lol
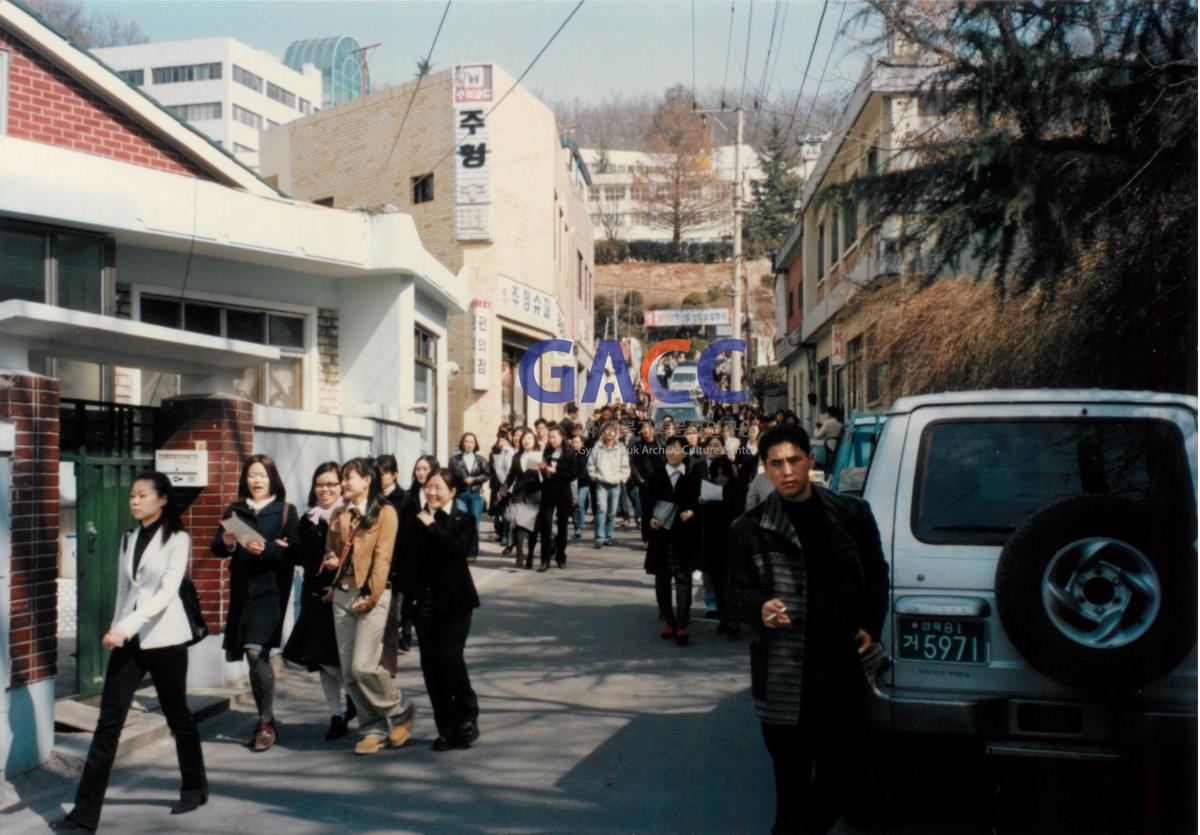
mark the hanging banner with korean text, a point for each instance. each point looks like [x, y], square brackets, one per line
[837, 354]
[472, 153]
[481, 314]
[685, 318]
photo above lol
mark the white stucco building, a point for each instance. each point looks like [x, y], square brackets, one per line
[228, 90]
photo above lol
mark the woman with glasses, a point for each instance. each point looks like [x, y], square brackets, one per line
[313, 643]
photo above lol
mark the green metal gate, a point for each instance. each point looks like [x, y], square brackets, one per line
[109, 445]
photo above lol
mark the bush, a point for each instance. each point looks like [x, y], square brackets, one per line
[663, 252]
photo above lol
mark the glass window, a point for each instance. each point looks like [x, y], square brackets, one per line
[196, 112]
[284, 383]
[425, 385]
[977, 480]
[78, 380]
[247, 117]
[833, 240]
[247, 79]
[160, 312]
[80, 264]
[305, 106]
[277, 93]
[422, 188]
[849, 225]
[22, 266]
[135, 77]
[247, 325]
[821, 250]
[200, 318]
[286, 331]
[193, 72]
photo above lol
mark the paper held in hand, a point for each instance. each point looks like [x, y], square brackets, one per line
[665, 513]
[711, 492]
[244, 533]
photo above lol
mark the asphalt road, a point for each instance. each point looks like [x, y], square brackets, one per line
[589, 723]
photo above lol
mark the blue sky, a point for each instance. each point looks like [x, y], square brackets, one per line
[610, 46]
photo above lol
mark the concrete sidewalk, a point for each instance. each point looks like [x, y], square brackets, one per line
[589, 723]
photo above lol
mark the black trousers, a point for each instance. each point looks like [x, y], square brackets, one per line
[441, 639]
[680, 613]
[559, 505]
[814, 760]
[126, 668]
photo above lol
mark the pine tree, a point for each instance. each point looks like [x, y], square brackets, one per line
[775, 196]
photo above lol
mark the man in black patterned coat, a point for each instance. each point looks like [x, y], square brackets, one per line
[808, 575]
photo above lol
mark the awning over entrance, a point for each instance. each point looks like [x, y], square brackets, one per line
[71, 334]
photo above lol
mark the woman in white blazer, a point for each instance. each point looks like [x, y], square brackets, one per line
[149, 633]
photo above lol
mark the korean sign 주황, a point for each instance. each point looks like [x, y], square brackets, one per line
[522, 303]
[472, 154]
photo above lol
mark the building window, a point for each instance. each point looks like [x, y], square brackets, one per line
[422, 188]
[823, 382]
[191, 72]
[53, 268]
[821, 251]
[873, 161]
[791, 308]
[280, 95]
[579, 274]
[247, 79]
[849, 225]
[247, 117]
[305, 106]
[425, 384]
[854, 374]
[3, 92]
[833, 239]
[614, 193]
[135, 77]
[276, 383]
[196, 112]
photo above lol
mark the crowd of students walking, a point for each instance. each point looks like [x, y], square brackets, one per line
[380, 561]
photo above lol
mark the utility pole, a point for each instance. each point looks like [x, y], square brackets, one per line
[616, 330]
[364, 73]
[735, 359]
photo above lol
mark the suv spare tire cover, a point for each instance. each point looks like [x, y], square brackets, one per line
[1098, 592]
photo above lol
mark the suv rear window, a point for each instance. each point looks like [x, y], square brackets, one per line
[976, 480]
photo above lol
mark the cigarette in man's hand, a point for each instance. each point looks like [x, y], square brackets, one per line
[775, 615]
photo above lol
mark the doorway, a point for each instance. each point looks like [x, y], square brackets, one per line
[103, 447]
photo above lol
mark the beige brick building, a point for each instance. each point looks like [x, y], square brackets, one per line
[495, 192]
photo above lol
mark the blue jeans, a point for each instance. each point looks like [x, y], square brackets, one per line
[472, 503]
[580, 513]
[635, 496]
[608, 496]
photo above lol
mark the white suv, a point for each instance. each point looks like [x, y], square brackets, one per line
[1042, 555]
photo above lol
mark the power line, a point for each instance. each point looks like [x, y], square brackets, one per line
[694, 93]
[728, 51]
[763, 88]
[746, 66]
[779, 52]
[837, 31]
[515, 85]
[812, 51]
[420, 78]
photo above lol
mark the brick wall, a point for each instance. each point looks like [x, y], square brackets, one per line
[226, 426]
[329, 399]
[30, 403]
[45, 105]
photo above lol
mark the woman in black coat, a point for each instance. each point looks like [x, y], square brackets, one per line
[313, 644]
[524, 491]
[260, 581]
[439, 584]
[671, 549]
[559, 468]
[716, 517]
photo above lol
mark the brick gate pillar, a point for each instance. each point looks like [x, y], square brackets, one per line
[225, 426]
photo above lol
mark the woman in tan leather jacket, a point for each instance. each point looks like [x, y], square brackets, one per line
[358, 550]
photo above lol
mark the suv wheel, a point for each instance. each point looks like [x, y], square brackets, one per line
[1099, 592]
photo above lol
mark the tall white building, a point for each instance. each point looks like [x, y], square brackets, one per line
[225, 89]
[619, 211]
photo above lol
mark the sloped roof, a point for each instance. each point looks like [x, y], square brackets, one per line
[90, 72]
